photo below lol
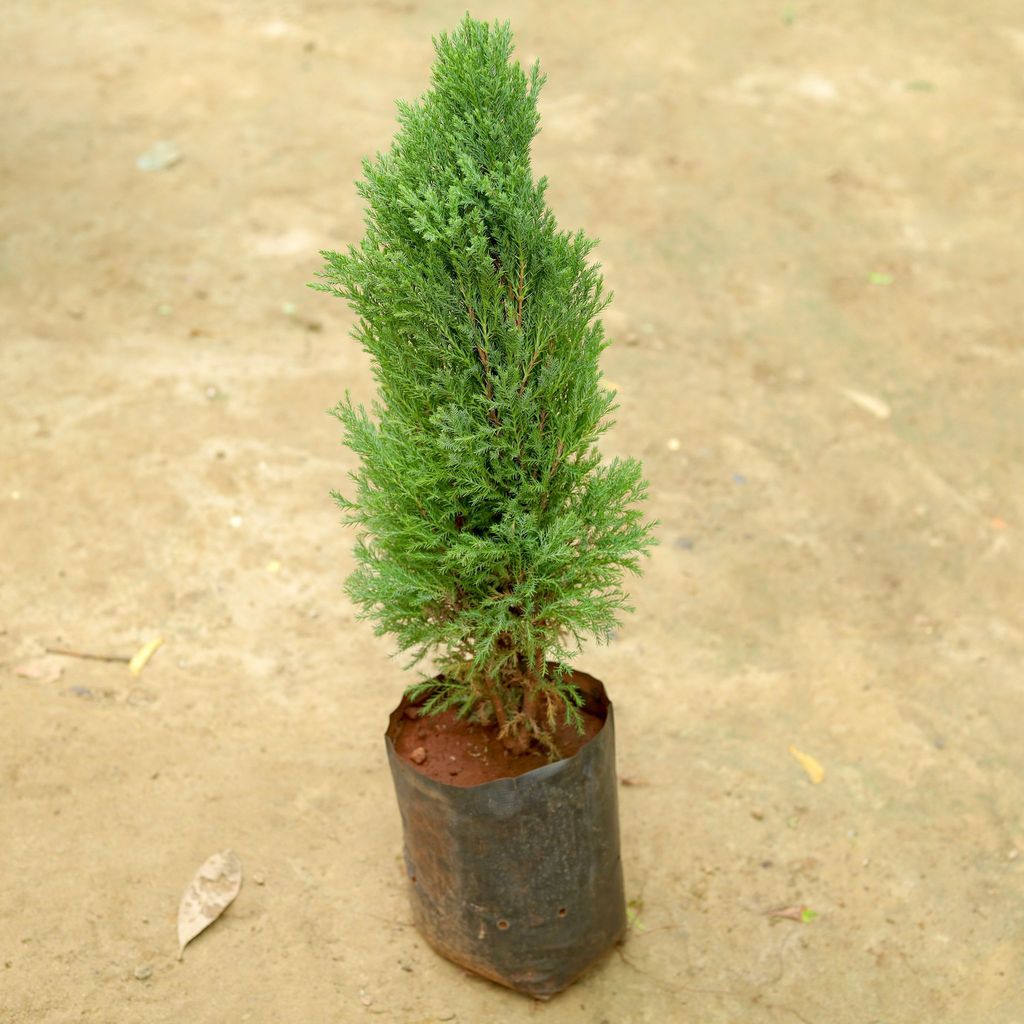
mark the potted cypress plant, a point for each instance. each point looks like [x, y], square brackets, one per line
[493, 536]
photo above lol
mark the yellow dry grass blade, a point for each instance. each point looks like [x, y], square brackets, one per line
[813, 768]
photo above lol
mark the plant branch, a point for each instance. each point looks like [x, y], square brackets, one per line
[529, 370]
[492, 415]
[521, 293]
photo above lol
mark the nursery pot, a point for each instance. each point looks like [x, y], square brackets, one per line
[518, 879]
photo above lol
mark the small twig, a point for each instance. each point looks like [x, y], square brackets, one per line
[789, 1009]
[88, 655]
[674, 988]
[650, 931]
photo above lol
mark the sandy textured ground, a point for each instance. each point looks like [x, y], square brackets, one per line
[811, 216]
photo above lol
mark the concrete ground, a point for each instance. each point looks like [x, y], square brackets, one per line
[811, 216]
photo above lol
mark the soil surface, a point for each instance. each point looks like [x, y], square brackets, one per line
[464, 752]
[810, 216]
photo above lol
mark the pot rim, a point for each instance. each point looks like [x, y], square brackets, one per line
[590, 685]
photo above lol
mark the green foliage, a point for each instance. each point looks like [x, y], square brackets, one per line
[492, 534]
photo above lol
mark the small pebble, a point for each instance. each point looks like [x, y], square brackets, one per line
[418, 756]
[143, 972]
[259, 879]
[757, 814]
[365, 999]
[673, 444]
[161, 155]
[447, 1015]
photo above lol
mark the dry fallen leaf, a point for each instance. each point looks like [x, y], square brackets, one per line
[208, 895]
[869, 403]
[43, 670]
[813, 768]
[143, 654]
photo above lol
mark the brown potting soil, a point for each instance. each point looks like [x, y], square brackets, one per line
[466, 753]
